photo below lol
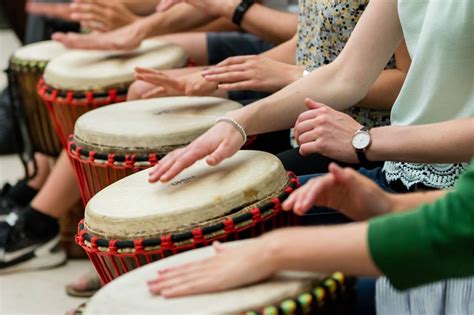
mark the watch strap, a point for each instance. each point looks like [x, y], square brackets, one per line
[361, 152]
[241, 10]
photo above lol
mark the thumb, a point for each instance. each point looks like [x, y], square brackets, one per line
[345, 176]
[313, 105]
[218, 247]
[222, 152]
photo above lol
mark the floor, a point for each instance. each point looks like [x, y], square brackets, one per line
[40, 292]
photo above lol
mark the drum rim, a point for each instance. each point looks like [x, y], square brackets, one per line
[132, 159]
[22, 64]
[329, 289]
[178, 238]
[51, 94]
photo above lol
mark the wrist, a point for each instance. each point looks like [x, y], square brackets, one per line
[272, 252]
[227, 9]
[295, 73]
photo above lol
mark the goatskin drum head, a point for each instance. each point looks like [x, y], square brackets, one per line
[132, 208]
[41, 51]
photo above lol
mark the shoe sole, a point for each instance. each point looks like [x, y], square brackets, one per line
[46, 256]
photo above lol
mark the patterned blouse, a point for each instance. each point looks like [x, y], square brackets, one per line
[324, 27]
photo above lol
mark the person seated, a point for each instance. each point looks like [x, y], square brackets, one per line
[421, 121]
[413, 239]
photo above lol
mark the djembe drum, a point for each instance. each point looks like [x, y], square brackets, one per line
[25, 70]
[131, 222]
[80, 81]
[115, 141]
[287, 293]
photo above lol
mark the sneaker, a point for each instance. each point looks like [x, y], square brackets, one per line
[16, 196]
[20, 251]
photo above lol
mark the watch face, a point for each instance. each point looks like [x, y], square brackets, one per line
[361, 140]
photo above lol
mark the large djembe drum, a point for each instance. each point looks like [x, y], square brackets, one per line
[132, 223]
[287, 293]
[115, 141]
[80, 81]
[25, 70]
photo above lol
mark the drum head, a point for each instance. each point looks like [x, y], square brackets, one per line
[97, 70]
[132, 208]
[129, 293]
[42, 51]
[149, 126]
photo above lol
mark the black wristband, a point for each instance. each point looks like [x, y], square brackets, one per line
[240, 11]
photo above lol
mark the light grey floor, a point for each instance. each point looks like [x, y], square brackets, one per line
[39, 292]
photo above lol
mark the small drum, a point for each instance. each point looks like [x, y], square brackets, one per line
[132, 223]
[25, 70]
[285, 293]
[80, 81]
[115, 141]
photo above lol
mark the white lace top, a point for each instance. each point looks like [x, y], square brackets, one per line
[439, 84]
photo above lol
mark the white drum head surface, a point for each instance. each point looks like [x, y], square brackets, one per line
[133, 208]
[41, 51]
[149, 125]
[96, 70]
[129, 293]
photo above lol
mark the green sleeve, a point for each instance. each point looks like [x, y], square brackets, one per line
[431, 243]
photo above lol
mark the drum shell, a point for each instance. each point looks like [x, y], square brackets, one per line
[65, 107]
[23, 79]
[111, 261]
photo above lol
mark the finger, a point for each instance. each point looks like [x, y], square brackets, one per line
[156, 92]
[303, 127]
[235, 60]
[145, 70]
[204, 283]
[309, 136]
[230, 77]
[289, 203]
[224, 69]
[161, 284]
[163, 165]
[238, 86]
[94, 26]
[219, 247]
[313, 105]
[309, 148]
[192, 155]
[86, 9]
[166, 5]
[223, 151]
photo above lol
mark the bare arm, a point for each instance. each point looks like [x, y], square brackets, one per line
[446, 142]
[385, 90]
[285, 52]
[341, 84]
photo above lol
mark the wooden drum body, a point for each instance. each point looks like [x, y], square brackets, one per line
[115, 141]
[25, 71]
[80, 81]
[287, 293]
[132, 223]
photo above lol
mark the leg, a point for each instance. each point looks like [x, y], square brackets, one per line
[43, 170]
[60, 192]
[195, 45]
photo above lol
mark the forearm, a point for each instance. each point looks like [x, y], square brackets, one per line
[285, 52]
[280, 110]
[141, 7]
[445, 142]
[179, 18]
[406, 202]
[334, 245]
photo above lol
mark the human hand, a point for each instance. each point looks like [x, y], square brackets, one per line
[53, 10]
[102, 15]
[190, 85]
[326, 131]
[124, 38]
[229, 268]
[342, 189]
[218, 143]
[224, 8]
[253, 72]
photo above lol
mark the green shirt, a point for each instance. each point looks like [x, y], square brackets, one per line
[431, 243]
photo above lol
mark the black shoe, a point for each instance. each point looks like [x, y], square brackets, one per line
[21, 250]
[17, 196]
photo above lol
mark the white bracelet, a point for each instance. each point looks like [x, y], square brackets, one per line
[306, 72]
[237, 126]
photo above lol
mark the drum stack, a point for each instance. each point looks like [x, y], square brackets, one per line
[130, 223]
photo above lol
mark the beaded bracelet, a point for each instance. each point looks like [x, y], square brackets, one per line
[235, 124]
